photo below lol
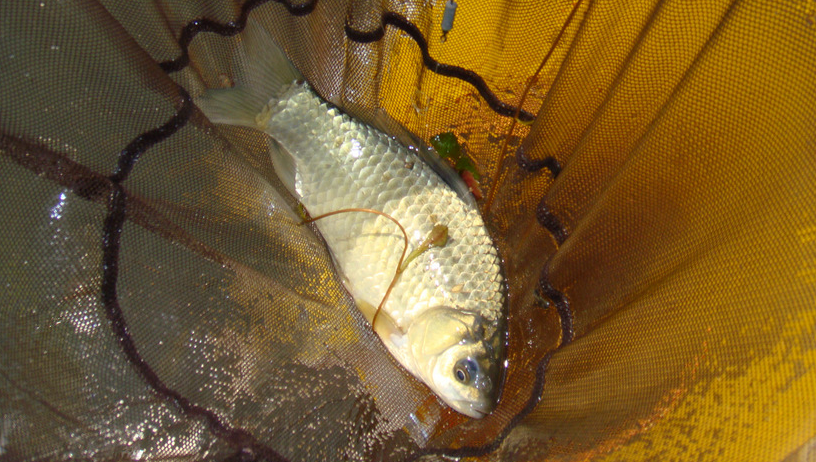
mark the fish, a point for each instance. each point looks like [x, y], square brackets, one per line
[443, 320]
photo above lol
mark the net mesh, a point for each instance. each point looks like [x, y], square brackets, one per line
[654, 208]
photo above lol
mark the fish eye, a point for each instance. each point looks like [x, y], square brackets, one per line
[465, 369]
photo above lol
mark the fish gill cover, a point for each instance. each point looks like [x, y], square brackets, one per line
[660, 274]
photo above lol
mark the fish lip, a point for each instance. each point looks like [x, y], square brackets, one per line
[474, 411]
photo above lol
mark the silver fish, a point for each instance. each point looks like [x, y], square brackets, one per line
[443, 320]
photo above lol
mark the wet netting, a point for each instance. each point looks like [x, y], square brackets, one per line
[648, 175]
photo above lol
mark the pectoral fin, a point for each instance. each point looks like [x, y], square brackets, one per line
[285, 166]
[386, 327]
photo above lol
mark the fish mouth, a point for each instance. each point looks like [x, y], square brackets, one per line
[473, 410]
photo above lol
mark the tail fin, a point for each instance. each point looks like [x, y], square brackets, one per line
[266, 72]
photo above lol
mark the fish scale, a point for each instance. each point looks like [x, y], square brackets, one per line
[350, 165]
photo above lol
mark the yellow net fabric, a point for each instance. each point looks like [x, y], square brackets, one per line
[657, 220]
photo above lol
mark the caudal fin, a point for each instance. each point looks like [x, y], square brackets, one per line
[264, 73]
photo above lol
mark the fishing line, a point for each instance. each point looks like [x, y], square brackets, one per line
[402, 257]
[516, 115]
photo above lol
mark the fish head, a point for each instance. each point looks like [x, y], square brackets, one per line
[459, 355]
